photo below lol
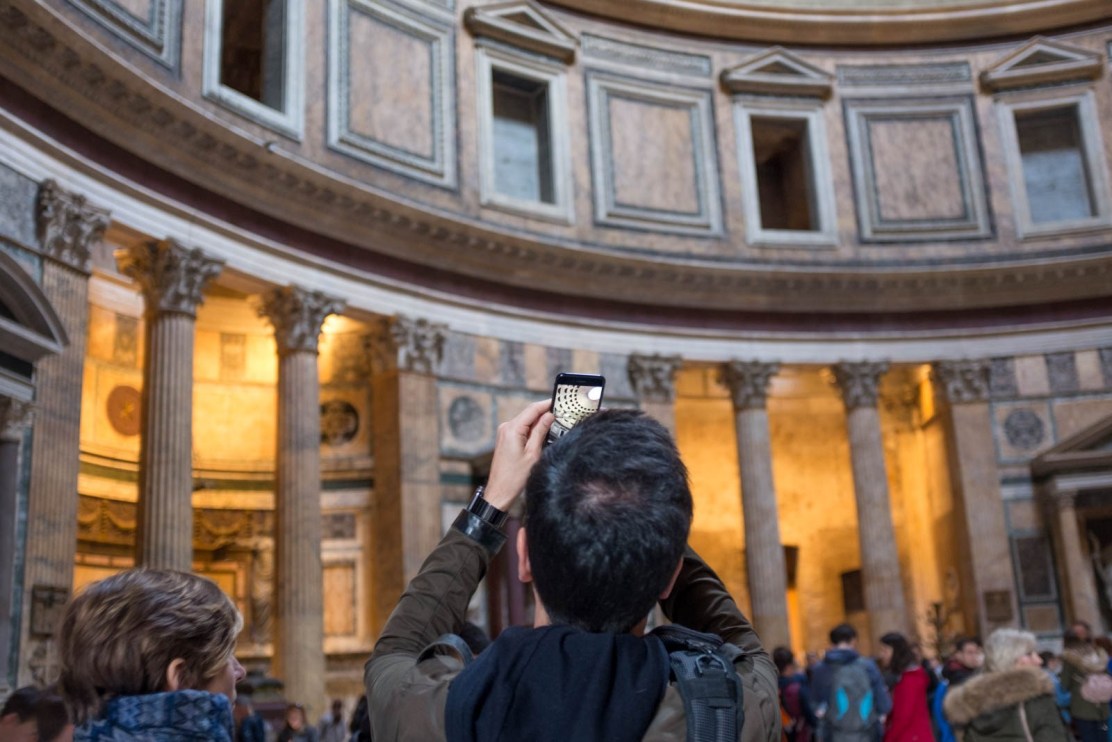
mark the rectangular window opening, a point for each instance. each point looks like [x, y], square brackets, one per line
[522, 142]
[785, 180]
[1055, 171]
[253, 49]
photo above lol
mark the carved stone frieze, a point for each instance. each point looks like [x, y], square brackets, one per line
[748, 382]
[297, 315]
[962, 381]
[15, 417]
[859, 382]
[69, 228]
[170, 276]
[406, 344]
[654, 377]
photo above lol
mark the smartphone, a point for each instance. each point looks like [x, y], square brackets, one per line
[574, 398]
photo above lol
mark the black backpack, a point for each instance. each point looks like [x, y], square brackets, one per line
[703, 669]
[702, 666]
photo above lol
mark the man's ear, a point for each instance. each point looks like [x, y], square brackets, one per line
[173, 674]
[672, 582]
[524, 569]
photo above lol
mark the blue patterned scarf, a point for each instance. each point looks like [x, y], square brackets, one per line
[179, 715]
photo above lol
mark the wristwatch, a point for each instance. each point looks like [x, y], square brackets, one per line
[484, 510]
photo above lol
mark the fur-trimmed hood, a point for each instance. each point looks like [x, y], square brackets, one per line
[1087, 660]
[992, 691]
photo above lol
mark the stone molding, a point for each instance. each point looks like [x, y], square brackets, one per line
[42, 53]
[170, 275]
[748, 382]
[777, 71]
[15, 417]
[407, 344]
[962, 382]
[297, 315]
[654, 377]
[525, 25]
[859, 382]
[69, 228]
[1042, 61]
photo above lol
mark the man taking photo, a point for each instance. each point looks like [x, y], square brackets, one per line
[607, 514]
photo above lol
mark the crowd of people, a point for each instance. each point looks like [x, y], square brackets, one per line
[1005, 689]
[148, 654]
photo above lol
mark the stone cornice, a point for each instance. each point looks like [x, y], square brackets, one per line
[845, 23]
[42, 54]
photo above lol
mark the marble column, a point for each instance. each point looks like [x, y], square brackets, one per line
[297, 315]
[985, 557]
[68, 230]
[880, 564]
[1082, 603]
[15, 416]
[405, 354]
[764, 553]
[171, 278]
[654, 380]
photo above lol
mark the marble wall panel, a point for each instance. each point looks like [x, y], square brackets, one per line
[512, 363]
[537, 376]
[1089, 376]
[488, 355]
[615, 367]
[339, 599]
[1061, 371]
[1071, 417]
[18, 195]
[391, 78]
[234, 425]
[1002, 379]
[458, 361]
[1031, 376]
[152, 26]
[666, 178]
[917, 169]
[466, 420]
[1022, 431]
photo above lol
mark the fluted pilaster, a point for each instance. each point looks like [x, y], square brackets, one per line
[405, 353]
[1082, 602]
[764, 554]
[69, 228]
[171, 278]
[15, 416]
[297, 316]
[880, 565]
[963, 390]
[654, 380]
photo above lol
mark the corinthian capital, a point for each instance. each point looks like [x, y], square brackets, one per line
[405, 344]
[15, 416]
[297, 315]
[859, 382]
[68, 226]
[654, 377]
[962, 381]
[170, 276]
[748, 382]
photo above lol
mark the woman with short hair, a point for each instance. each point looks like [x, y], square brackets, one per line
[1012, 699]
[149, 654]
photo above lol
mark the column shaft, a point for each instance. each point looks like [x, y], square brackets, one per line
[880, 564]
[165, 537]
[299, 660]
[55, 458]
[1083, 604]
[764, 554]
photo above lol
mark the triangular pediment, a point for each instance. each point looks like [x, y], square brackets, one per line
[777, 71]
[1086, 450]
[522, 24]
[1042, 62]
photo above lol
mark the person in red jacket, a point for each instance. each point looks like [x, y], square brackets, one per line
[909, 720]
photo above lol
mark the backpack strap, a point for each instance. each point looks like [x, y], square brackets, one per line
[448, 644]
[703, 667]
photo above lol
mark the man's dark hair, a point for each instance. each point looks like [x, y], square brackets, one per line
[843, 633]
[22, 702]
[782, 657]
[607, 513]
[963, 641]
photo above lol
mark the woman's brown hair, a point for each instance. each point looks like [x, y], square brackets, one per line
[119, 636]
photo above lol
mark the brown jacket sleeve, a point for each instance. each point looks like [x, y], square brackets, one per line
[700, 601]
[406, 699]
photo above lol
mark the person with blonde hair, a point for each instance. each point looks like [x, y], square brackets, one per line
[1012, 699]
[148, 654]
